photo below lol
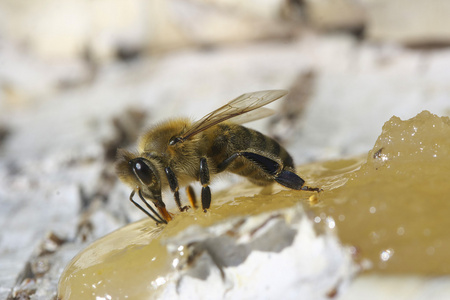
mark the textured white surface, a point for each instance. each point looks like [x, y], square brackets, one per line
[261, 257]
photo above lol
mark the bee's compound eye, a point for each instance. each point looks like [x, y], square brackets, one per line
[142, 171]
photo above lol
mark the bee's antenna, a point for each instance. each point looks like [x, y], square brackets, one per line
[157, 219]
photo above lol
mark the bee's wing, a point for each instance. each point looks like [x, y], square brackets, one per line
[257, 114]
[236, 107]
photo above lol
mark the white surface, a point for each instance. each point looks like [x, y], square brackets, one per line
[268, 255]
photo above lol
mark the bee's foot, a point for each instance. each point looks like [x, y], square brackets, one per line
[185, 208]
[311, 189]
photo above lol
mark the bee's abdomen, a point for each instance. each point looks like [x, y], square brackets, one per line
[247, 139]
[239, 139]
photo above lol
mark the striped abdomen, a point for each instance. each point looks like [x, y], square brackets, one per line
[228, 139]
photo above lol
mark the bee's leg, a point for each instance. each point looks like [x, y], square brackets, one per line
[157, 219]
[271, 167]
[284, 177]
[292, 181]
[268, 165]
[191, 196]
[159, 205]
[223, 165]
[204, 180]
[173, 183]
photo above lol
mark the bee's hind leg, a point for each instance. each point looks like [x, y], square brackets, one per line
[273, 168]
[173, 183]
[293, 181]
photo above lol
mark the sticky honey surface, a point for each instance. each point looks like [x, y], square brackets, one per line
[392, 206]
[132, 262]
[395, 209]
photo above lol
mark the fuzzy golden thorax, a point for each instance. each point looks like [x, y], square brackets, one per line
[156, 139]
[183, 158]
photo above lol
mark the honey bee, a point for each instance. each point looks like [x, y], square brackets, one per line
[177, 152]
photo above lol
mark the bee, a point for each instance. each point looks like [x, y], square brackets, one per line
[179, 151]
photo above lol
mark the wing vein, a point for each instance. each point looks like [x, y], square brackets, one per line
[238, 106]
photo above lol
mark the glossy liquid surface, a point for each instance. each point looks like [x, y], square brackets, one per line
[392, 206]
[395, 209]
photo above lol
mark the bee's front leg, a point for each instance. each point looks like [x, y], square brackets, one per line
[204, 180]
[173, 183]
[156, 217]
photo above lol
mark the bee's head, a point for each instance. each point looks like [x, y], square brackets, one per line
[139, 173]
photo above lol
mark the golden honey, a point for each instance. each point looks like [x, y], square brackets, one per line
[391, 206]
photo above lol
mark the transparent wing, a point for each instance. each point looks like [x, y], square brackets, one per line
[257, 114]
[236, 107]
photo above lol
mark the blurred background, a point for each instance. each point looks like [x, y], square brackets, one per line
[80, 78]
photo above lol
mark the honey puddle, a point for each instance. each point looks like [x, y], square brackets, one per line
[395, 210]
[392, 206]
